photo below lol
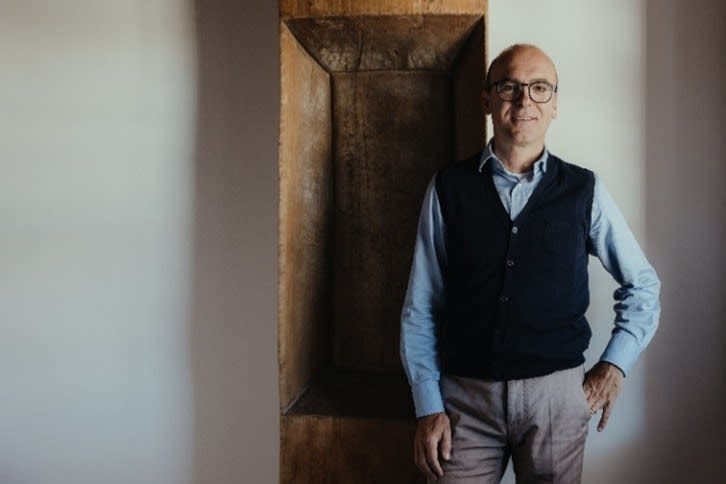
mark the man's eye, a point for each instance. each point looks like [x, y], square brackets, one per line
[540, 88]
[507, 87]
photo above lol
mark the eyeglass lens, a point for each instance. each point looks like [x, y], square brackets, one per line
[539, 92]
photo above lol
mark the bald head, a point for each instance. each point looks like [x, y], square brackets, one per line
[521, 121]
[499, 64]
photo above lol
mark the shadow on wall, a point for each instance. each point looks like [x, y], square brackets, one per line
[685, 207]
[685, 212]
[232, 331]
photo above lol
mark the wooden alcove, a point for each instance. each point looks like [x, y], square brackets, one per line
[375, 97]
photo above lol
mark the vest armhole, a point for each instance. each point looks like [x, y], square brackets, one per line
[588, 206]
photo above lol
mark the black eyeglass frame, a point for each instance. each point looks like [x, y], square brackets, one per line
[520, 88]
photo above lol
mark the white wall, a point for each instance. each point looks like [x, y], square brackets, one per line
[137, 242]
[138, 233]
[95, 211]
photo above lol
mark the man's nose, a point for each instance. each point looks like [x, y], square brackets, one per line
[523, 97]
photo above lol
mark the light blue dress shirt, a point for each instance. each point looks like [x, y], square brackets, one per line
[636, 311]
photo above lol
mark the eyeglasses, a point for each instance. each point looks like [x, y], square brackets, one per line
[539, 91]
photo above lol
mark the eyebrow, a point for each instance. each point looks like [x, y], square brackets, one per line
[539, 79]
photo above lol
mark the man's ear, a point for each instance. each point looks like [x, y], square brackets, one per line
[486, 101]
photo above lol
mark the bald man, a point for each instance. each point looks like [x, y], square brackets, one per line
[493, 328]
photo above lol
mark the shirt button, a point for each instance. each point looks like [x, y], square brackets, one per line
[515, 230]
[510, 263]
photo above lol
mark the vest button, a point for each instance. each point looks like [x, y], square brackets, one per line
[504, 299]
[515, 230]
[510, 263]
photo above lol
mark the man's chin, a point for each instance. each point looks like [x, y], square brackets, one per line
[525, 140]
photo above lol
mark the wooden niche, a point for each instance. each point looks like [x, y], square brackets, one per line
[374, 99]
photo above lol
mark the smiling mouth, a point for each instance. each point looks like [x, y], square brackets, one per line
[524, 118]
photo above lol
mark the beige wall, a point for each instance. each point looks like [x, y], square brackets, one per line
[685, 208]
[138, 217]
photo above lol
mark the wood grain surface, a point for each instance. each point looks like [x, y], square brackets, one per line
[320, 8]
[393, 130]
[306, 217]
[391, 43]
[469, 72]
[375, 96]
[342, 450]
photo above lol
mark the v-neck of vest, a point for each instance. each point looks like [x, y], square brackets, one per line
[534, 199]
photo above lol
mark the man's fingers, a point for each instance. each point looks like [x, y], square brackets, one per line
[446, 444]
[420, 458]
[595, 397]
[432, 442]
[432, 457]
[592, 399]
[597, 403]
[605, 417]
[602, 386]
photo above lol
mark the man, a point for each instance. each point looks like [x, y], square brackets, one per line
[493, 328]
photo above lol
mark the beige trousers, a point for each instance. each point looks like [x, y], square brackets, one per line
[540, 422]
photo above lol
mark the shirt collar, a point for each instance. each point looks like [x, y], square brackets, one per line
[540, 166]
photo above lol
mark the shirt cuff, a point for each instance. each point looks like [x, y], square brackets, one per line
[427, 398]
[621, 351]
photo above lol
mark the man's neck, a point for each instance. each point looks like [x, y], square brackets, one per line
[517, 159]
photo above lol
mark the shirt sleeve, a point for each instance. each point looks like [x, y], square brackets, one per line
[423, 308]
[637, 307]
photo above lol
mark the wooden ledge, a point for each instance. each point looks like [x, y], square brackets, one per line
[356, 394]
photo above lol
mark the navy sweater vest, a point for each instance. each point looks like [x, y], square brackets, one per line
[516, 291]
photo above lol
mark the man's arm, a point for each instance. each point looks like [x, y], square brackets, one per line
[423, 308]
[637, 308]
[420, 317]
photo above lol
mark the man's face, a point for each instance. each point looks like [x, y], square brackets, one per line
[521, 122]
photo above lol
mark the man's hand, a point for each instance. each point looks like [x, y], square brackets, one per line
[602, 386]
[433, 439]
